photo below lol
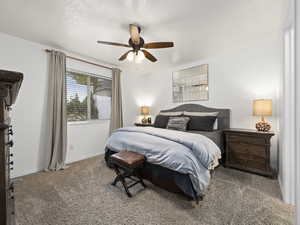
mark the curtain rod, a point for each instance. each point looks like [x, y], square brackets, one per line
[81, 60]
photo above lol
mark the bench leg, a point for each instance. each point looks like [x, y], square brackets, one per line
[125, 187]
[118, 177]
[140, 179]
[121, 178]
[142, 182]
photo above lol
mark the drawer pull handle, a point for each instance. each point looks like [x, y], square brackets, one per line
[10, 131]
[11, 155]
[12, 188]
[10, 143]
[11, 163]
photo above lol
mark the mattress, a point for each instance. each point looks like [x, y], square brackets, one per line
[216, 136]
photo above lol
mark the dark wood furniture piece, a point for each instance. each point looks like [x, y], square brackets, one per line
[129, 163]
[249, 150]
[143, 124]
[10, 83]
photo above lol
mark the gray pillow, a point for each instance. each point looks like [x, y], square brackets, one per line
[191, 114]
[203, 123]
[178, 123]
[161, 121]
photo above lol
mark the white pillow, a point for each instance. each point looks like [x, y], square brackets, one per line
[171, 113]
[216, 124]
[186, 113]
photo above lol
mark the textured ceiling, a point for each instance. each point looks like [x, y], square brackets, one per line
[198, 27]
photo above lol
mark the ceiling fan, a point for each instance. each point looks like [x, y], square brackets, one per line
[138, 45]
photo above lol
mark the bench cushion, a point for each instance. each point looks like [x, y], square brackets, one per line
[128, 159]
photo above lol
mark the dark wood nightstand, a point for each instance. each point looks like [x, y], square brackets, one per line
[143, 124]
[249, 150]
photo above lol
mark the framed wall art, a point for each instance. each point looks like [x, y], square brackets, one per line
[191, 84]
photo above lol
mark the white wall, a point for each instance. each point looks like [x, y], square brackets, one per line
[29, 113]
[287, 117]
[238, 74]
[87, 139]
[287, 121]
[29, 58]
[297, 15]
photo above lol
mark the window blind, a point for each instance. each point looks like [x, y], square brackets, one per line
[88, 96]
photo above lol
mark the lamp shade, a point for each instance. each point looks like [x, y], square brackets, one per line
[145, 110]
[262, 107]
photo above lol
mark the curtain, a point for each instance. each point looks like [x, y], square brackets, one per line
[57, 118]
[116, 120]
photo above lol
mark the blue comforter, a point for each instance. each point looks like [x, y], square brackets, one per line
[187, 153]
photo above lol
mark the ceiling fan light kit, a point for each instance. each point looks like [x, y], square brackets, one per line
[137, 57]
[130, 56]
[137, 54]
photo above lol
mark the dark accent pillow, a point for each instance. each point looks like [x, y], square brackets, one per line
[201, 123]
[161, 121]
[178, 123]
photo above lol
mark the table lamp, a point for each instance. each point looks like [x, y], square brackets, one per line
[145, 112]
[262, 107]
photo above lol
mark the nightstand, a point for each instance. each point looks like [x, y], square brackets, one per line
[143, 124]
[249, 150]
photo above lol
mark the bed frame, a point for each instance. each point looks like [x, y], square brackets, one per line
[168, 179]
[223, 116]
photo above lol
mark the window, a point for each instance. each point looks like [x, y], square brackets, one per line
[88, 96]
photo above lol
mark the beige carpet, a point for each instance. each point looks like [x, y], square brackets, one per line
[82, 195]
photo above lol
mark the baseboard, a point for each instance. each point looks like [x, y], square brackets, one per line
[283, 195]
[20, 175]
[85, 157]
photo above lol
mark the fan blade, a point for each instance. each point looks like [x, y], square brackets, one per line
[113, 43]
[134, 33]
[159, 45]
[149, 56]
[124, 56]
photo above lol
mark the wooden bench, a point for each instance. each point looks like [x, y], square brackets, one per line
[128, 163]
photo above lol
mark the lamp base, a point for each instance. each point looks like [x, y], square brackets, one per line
[263, 126]
[144, 120]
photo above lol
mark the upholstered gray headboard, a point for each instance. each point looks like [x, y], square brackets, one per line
[223, 116]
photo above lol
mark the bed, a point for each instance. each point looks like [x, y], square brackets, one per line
[164, 176]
